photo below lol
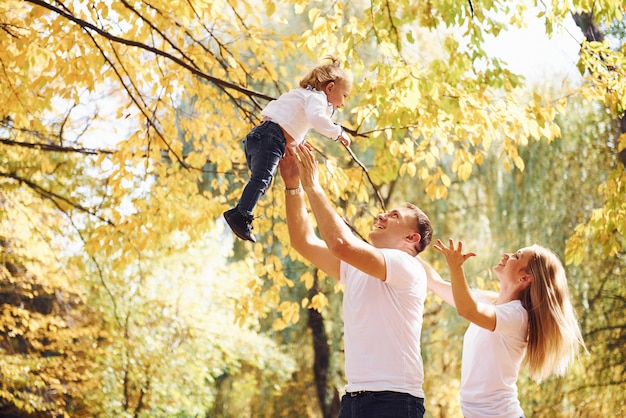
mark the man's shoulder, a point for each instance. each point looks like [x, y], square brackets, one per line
[401, 260]
[400, 254]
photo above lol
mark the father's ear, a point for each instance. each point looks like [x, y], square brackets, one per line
[414, 238]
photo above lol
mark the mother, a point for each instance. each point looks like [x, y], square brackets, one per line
[530, 322]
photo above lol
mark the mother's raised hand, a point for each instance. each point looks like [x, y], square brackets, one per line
[454, 256]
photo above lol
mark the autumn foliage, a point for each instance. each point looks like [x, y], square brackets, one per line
[121, 293]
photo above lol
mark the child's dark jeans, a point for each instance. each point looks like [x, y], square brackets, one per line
[264, 147]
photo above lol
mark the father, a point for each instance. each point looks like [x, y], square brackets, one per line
[385, 288]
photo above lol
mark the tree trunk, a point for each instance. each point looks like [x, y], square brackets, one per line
[321, 362]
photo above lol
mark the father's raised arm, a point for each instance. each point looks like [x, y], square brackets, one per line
[301, 234]
[338, 237]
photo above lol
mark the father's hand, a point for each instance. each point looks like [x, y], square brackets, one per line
[307, 166]
[289, 170]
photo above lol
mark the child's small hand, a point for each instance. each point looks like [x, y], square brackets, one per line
[345, 139]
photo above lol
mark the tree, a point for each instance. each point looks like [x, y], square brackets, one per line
[49, 337]
[605, 66]
[415, 113]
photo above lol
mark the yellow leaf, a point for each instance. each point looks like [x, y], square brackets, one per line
[442, 192]
[465, 170]
[445, 180]
[308, 279]
[279, 324]
[411, 169]
[621, 142]
[394, 148]
[270, 8]
[318, 302]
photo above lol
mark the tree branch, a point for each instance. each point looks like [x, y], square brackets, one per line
[53, 197]
[190, 67]
[86, 25]
[594, 34]
[369, 179]
[52, 147]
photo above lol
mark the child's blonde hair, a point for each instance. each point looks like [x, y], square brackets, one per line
[321, 75]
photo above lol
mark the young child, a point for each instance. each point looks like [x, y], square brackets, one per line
[285, 123]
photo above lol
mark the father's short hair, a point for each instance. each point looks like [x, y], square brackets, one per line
[424, 227]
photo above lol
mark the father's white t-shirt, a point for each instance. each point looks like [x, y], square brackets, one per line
[383, 325]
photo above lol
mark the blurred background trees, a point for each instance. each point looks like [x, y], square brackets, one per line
[121, 292]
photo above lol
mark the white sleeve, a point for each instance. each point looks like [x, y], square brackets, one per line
[403, 271]
[510, 318]
[316, 110]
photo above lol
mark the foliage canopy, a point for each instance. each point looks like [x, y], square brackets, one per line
[119, 150]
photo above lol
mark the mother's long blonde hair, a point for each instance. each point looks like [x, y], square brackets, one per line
[553, 333]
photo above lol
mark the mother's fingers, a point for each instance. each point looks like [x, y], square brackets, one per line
[459, 246]
[450, 246]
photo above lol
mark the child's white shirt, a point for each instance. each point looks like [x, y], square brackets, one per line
[299, 110]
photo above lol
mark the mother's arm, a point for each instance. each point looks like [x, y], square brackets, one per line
[481, 314]
[436, 284]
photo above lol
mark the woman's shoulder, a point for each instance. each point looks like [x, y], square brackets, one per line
[485, 296]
